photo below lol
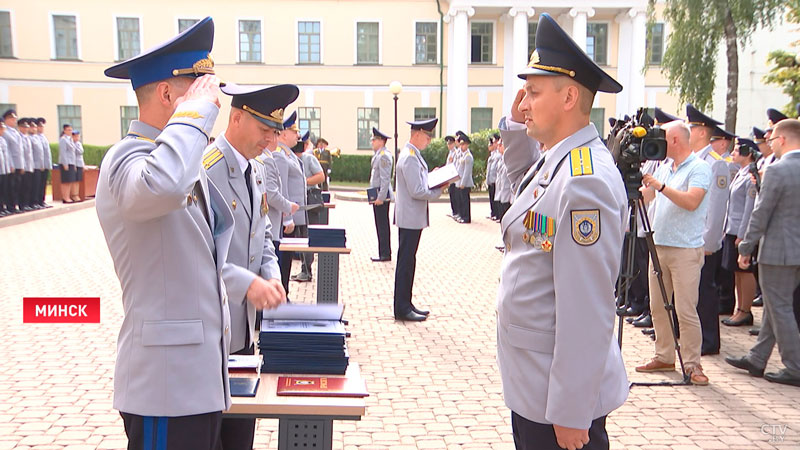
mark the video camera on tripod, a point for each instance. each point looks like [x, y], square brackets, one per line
[633, 141]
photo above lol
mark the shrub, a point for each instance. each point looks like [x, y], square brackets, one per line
[92, 154]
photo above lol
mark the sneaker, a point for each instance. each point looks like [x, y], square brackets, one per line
[696, 375]
[656, 366]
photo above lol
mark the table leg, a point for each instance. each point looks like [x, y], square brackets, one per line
[323, 216]
[328, 278]
[305, 432]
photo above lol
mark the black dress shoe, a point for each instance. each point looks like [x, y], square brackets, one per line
[649, 331]
[646, 322]
[746, 320]
[759, 301]
[410, 316]
[783, 377]
[380, 259]
[745, 364]
[634, 319]
[629, 312]
[421, 312]
[754, 331]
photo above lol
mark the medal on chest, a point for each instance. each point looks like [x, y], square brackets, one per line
[539, 231]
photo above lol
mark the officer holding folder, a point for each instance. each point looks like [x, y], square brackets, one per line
[411, 215]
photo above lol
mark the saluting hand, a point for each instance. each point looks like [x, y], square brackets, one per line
[202, 88]
[265, 294]
[516, 114]
[571, 438]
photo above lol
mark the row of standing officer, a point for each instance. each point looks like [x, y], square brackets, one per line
[25, 162]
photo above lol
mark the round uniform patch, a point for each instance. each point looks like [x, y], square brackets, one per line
[585, 226]
[752, 192]
[722, 181]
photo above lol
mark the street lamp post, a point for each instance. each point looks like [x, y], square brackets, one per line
[395, 88]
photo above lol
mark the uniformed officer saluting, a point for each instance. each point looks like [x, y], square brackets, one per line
[561, 368]
[168, 231]
[411, 215]
[255, 119]
[380, 177]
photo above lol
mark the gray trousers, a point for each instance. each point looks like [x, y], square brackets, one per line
[778, 325]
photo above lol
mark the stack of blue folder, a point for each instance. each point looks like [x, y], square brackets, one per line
[326, 236]
[303, 346]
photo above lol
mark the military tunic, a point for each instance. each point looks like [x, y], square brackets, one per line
[558, 359]
[168, 230]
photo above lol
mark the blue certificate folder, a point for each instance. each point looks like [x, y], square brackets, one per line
[243, 387]
[303, 346]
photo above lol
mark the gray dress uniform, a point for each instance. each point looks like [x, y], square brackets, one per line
[311, 166]
[48, 155]
[4, 166]
[168, 229]
[740, 203]
[503, 192]
[718, 201]
[66, 151]
[279, 206]
[295, 183]
[251, 250]
[78, 146]
[37, 152]
[13, 139]
[27, 148]
[380, 175]
[558, 360]
[491, 167]
[465, 163]
[411, 207]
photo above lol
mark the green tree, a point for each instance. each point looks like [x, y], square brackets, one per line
[785, 68]
[698, 27]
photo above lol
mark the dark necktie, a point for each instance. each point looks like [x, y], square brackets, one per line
[527, 181]
[247, 182]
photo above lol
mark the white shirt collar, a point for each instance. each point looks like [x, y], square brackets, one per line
[243, 163]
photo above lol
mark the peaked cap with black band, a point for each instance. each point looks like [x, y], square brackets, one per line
[557, 54]
[266, 104]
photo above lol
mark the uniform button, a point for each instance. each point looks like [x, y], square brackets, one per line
[226, 330]
[253, 234]
[252, 258]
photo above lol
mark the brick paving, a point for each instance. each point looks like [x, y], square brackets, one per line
[434, 385]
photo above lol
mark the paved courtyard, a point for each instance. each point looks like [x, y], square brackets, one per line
[433, 385]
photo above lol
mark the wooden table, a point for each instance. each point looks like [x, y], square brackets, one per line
[327, 266]
[303, 422]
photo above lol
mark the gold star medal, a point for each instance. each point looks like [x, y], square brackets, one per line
[547, 246]
[233, 204]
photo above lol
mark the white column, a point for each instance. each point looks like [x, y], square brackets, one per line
[579, 18]
[520, 44]
[508, 64]
[623, 65]
[638, 55]
[457, 113]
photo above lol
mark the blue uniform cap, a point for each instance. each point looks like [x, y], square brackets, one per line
[449, 139]
[758, 135]
[695, 117]
[426, 125]
[775, 116]
[291, 122]
[719, 133]
[557, 54]
[664, 117]
[265, 103]
[376, 133]
[187, 54]
[305, 136]
[76, 132]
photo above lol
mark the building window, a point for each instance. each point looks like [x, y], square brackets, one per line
[65, 34]
[596, 42]
[655, 43]
[481, 119]
[6, 49]
[128, 41]
[127, 114]
[531, 37]
[308, 42]
[310, 119]
[482, 42]
[70, 114]
[250, 41]
[367, 118]
[424, 113]
[598, 118]
[367, 43]
[184, 24]
[426, 42]
[6, 106]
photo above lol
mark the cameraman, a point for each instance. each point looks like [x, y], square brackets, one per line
[679, 216]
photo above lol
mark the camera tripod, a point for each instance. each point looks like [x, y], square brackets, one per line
[636, 205]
